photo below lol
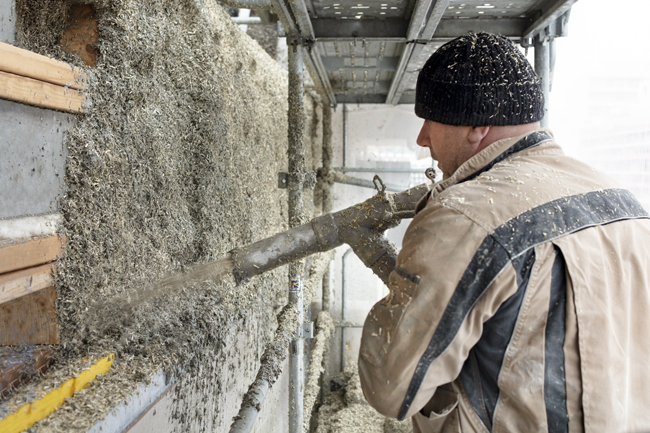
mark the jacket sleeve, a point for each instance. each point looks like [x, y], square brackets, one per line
[418, 337]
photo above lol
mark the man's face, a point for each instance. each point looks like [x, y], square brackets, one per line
[446, 144]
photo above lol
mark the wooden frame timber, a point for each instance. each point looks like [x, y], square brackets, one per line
[28, 64]
[27, 293]
[38, 80]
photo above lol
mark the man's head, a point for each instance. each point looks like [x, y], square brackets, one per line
[471, 92]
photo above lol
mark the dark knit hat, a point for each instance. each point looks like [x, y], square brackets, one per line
[479, 79]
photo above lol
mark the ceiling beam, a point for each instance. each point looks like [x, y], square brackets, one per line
[338, 63]
[333, 29]
[295, 19]
[281, 9]
[301, 15]
[360, 99]
[380, 87]
[426, 17]
[419, 19]
[314, 64]
[437, 12]
[509, 27]
[555, 10]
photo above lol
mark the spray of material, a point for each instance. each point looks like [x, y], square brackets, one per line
[216, 272]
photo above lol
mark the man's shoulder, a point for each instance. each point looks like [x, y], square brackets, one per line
[520, 184]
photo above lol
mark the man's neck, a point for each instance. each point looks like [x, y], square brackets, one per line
[497, 133]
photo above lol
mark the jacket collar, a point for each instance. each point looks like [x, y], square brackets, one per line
[486, 159]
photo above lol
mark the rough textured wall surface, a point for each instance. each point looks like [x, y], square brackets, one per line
[173, 163]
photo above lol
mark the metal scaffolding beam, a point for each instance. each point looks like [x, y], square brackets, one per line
[360, 99]
[332, 29]
[294, 17]
[338, 63]
[380, 87]
[552, 13]
[297, 169]
[433, 20]
[247, 20]
[542, 68]
[394, 30]
[301, 15]
[426, 18]
[317, 71]
[510, 27]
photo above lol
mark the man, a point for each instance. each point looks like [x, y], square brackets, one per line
[520, 301]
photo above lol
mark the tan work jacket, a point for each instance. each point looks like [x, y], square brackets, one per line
[520, 301]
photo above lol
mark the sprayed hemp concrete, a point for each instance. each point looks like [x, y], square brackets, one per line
[173, 163]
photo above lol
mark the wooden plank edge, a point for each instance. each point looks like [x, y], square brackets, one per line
[20, 283]
[30, 413]
[30, 319]
[29, 64]
[41, 94]
[20, 254]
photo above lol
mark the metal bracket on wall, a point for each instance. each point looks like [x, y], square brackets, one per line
[285, 179]
[307, 330]
[303, 332]
[297, 39]
[310, 180]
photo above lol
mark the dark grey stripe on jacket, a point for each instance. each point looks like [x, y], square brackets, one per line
[557, 416]
[551, 220]
[490, 351]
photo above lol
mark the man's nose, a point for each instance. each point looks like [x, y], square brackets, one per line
[423, 139]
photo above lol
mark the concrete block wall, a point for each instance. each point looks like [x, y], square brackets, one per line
[7, 21]
[33, 164]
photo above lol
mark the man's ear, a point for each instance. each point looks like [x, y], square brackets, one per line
[476, 134]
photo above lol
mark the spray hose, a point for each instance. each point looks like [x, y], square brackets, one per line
[361, 226]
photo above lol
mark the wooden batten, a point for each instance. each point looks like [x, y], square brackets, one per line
[26, 253]
[40, 93]
[24, 282]
[30, 319]
[25, 63]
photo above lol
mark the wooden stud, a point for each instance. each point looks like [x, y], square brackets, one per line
[25, 253]
[21, 283]
[30, 319]
[28, 64]
[40, 93]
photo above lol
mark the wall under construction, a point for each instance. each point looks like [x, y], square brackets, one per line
[173, 162]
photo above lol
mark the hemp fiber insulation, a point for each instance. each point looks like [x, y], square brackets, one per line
[347, 411]
[173, 163]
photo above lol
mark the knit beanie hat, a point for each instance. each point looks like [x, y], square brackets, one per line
[479, 79]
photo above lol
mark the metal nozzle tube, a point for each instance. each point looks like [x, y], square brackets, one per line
[326, 232]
